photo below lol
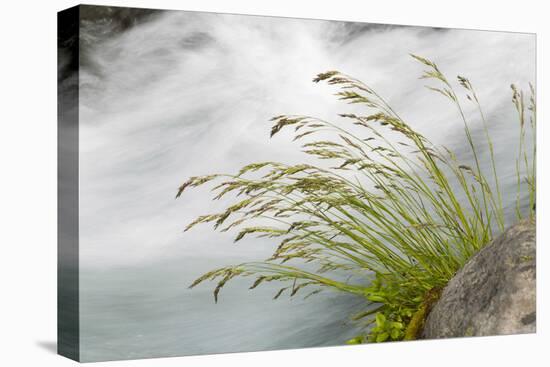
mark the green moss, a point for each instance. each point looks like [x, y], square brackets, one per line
[525, 259]
[416, 325]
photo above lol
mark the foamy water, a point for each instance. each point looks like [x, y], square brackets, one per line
[188, 94]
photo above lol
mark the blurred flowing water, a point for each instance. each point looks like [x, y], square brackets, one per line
[185, 94]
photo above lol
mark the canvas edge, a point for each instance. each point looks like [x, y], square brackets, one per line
[68, 316]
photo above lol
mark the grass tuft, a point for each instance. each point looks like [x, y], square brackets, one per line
[397, 219]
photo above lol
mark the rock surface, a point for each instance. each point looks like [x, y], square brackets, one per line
[494, 293]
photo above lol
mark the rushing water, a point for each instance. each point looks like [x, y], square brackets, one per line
[189, 93]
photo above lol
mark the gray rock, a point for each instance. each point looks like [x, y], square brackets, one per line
[494, 293]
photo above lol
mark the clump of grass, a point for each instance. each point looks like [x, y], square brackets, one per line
[399, 217]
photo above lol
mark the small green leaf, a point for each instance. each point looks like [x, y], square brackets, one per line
[382, 337]
[375, 298]
[380, 320]
[357, 340]
[397, 325]
[395, 334]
